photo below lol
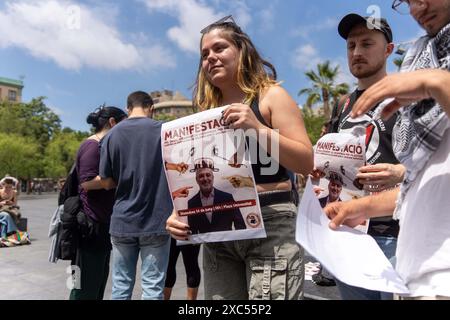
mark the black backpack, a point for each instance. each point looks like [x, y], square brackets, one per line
[336, 113]
[70, 187]
[68, 233]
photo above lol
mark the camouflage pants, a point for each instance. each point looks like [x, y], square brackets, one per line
[258, 269]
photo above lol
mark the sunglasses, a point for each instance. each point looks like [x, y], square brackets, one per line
[225, 21]
[404, 6]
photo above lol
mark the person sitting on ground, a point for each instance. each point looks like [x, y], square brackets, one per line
[15, 182]
[8, 194]
[9, 215]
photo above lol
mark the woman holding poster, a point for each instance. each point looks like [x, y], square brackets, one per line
[232, 73]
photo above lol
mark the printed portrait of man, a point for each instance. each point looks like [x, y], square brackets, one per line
[212, 221]
[334, 189]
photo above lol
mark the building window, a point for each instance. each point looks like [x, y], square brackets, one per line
[12, 95]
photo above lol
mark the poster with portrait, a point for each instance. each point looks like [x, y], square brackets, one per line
[337, 158]
[210, 178]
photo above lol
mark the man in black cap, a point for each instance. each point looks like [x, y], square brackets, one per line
[351, 20]
[208, 196]
[369, 44]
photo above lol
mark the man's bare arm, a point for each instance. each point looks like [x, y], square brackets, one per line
[108, 183]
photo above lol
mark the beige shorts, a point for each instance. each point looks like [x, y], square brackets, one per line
[259, 269]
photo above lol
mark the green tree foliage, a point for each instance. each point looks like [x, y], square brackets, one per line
[312, 97]
[19, 156]
[61, 152]
[324, 88]
[32, 120]
[338, 91]
[79, 135]
[398, 62]
[313, 124]
[164, 117]
[33, 144]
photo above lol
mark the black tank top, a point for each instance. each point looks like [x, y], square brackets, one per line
[281, 175]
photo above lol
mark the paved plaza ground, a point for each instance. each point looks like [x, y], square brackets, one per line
[27, 274]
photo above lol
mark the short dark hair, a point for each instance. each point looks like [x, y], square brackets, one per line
[139, 99]
[335, 177]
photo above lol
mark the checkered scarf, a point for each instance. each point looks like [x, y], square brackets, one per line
[421, 126]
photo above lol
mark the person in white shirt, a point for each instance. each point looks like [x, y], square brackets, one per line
[423, 252]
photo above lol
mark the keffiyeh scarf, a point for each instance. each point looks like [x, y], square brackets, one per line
[421, 126]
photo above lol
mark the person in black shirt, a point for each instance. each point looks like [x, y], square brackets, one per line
[369, 44]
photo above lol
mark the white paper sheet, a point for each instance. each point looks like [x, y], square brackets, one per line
[350, 255]
[341, 155]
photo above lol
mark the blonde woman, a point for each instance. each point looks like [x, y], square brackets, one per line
[231, 72]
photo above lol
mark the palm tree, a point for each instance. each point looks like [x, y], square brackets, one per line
[323, 86]
[398, 62]
[338, 91]
[312, 99]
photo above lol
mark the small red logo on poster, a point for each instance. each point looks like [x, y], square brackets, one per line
[253, 220]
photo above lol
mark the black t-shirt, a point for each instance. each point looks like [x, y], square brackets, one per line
[258, 165]
[378, 149]
[378, 138]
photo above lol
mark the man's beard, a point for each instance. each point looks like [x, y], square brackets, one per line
[366, 73]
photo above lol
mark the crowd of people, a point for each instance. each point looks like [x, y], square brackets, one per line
[125, 196]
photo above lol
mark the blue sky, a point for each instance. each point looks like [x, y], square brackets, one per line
[83, 53]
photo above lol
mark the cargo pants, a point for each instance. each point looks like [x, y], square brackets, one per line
[259, 269]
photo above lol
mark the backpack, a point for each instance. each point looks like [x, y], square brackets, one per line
[70, 187]
[336, 114]
[77, 229]
[68, 234]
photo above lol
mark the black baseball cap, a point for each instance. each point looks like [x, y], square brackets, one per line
[351, 20]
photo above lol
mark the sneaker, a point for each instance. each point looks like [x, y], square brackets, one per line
[321, 280]
[312, 268]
